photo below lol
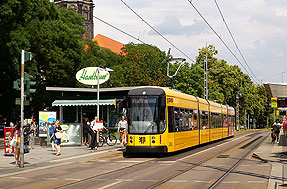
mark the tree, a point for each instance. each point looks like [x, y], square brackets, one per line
[52, 34]
[142, 65]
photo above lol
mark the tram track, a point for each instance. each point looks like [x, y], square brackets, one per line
[182, 171]
[211, 157]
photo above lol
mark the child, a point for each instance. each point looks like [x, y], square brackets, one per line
[273, 136]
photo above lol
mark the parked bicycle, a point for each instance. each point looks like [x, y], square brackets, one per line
[108, 138]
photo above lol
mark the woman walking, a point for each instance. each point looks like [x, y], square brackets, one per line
[17, 135]
[122, 129]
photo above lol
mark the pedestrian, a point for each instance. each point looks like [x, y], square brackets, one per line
[122, 129]
[58, 129]
[94, 133]
[51, 134]
[86, 128]
[17, 135]
[276, 127]
[32, 134]
[284, 127]
[273, 136]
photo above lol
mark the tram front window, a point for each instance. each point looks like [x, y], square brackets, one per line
[144, 115]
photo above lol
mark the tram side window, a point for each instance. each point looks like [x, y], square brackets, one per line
[171, 121]
[225, 121]
[204, 120]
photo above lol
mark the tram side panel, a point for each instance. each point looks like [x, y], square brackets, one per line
[183, 123]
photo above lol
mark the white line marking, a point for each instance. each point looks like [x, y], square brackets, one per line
[125, 180]
[148, 180]
[109, 185]
[230, 182]
[209, 148]
[18, 177]
[163, 162]
[130, 161]
[202, 181]
[72, 179]
[257, 182]
[51, 178]
[245, 165]
[84, 155]
[222, 165]
[264, 165]
[177, 181]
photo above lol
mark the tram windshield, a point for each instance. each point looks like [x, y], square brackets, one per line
[145, 115]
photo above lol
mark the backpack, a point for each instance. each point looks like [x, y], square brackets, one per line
[51, 130]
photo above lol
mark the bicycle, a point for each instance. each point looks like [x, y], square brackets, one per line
[109, 138]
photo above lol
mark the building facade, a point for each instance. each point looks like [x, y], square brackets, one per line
[84, 8]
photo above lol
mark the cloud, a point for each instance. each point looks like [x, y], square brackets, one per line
[172, 26]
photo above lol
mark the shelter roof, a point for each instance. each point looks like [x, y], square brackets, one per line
[276, 89]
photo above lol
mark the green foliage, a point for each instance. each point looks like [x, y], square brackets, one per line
[142, 65]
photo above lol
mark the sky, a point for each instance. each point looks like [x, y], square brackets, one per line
[259, 28]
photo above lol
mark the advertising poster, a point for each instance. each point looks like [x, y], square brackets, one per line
[44, 119]
[8, 135]
[72, 135]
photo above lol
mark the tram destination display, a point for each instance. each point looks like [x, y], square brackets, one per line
[282, 102]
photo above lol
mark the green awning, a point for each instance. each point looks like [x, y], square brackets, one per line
[82, 102]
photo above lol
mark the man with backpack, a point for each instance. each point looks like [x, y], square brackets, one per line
[51, 134]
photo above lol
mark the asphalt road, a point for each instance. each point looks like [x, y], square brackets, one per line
[198, 167]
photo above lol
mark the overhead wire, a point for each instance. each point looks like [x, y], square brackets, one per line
[157, 32]
[120, 30]
[229, 31]
[221, 40]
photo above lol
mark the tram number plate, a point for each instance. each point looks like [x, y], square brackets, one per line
[142, 140]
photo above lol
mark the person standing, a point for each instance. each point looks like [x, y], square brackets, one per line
[32, 134]
[284, 127]
[276, 127]
[94, 133]
[86, 127]
[122, 129]
[58, 140]
[17, 135]
[52, 136]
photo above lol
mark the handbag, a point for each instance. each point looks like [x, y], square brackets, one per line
[58, 135]
[13, 142]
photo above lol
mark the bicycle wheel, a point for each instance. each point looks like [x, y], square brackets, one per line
[101, 141]
[111, 140]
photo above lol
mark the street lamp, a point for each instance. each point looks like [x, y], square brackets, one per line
[172, 61]
[98, 89]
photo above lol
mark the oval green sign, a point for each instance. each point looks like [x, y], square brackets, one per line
[89, 75]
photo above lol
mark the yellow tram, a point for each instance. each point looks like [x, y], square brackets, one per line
[164, 120]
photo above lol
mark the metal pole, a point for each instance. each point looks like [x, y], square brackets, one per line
[248, 121]
[206, 67]
[98, 95]
[237, 111]
[245, 118]
[22, 111]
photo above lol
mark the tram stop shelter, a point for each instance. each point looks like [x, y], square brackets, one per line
[73, 105]
[278, 90]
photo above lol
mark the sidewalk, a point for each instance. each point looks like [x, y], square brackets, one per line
[42, 157]
[276, 155]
